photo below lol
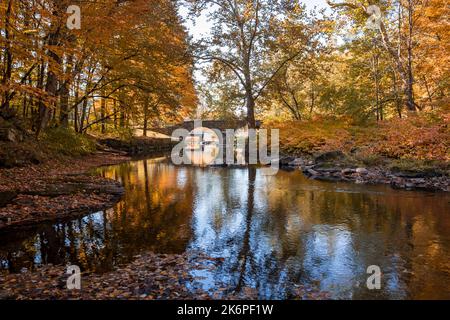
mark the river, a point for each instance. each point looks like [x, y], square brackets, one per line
[273, 233]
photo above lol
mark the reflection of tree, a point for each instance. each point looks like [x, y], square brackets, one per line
[154, 215]
[245, 249]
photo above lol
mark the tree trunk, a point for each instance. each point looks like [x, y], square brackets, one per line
[313, 99]
[7, 71]
[75, 111]
[64, 99]
[409, 92]
[115, 113]
[250, 105]
[122, 110]
[51, 86]
[427, 87]
[83, 114]
[103, 112]
[398, 100]
[377, 87]
[146, 105]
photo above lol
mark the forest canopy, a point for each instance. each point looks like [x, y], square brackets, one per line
[126, 66]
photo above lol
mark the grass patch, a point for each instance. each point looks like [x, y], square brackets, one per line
[419, 166]
[370, 160]
[122, 134]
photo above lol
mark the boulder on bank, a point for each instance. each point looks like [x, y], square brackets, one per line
[311, 172]
[10, 135]
[17, 147]
[348, 171]
[327, 170]
[297, 163]
[416, 174]
[362, 171]
[11, 130]
[19, 154]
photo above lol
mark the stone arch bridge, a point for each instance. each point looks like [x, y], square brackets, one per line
[222, 125]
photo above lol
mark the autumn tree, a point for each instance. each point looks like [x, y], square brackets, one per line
[432, 58]
[402, 61]
[243, 39]
[127, 53]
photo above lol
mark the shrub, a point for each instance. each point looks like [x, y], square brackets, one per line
[67, 142]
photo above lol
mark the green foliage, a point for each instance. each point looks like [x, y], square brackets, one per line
[67, 142]
[370, 160]
[419, 166]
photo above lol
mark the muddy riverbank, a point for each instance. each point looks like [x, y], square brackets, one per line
[56, 189]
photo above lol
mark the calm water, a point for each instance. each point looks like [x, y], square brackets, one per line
[274, 232]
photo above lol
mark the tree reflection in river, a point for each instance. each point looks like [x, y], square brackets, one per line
[274, 232]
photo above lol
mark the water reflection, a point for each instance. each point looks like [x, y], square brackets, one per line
[206, 156]
[274, 232]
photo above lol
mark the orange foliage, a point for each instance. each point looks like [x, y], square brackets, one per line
[415, 138]
[423, 137]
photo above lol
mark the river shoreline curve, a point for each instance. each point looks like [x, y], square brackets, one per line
[57, 190]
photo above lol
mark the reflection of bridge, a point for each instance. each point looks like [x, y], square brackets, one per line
[222, 125]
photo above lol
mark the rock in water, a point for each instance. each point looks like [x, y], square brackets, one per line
[312, 172]
[285, 161]
[297, 163]
[362, 171]
[348, 171]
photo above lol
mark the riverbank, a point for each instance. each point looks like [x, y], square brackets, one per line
[335, 166]
[62, 188]
[409, 153]
[58, 188]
